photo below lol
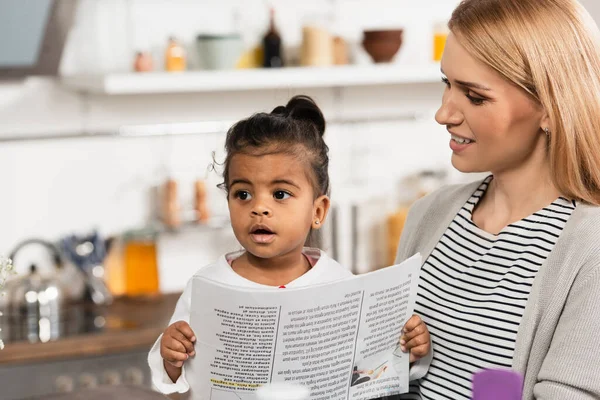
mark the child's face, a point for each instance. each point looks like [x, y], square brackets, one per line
[272, 204]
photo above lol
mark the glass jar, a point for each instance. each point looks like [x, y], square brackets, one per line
[132, 264]
[440, 34]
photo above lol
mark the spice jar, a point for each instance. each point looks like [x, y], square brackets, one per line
[175, 57]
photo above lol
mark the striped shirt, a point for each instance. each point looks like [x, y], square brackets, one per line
[473, 290]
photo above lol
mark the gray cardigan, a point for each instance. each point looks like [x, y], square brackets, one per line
[558, 342]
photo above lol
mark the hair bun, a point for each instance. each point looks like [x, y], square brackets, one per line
[280, 110]
[304, 108]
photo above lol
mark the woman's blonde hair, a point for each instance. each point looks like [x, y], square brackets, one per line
[551, 49]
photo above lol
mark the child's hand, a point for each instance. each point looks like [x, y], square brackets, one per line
[177, 344]
[415, 338]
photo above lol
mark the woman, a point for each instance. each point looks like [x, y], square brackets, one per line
[511, 277]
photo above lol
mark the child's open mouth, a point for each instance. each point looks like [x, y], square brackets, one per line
[262, 234]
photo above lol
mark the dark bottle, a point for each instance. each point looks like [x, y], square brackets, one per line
[272, 45]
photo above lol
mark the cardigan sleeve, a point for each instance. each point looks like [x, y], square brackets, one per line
[571, 368]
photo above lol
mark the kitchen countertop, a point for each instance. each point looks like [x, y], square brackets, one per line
[128, 324]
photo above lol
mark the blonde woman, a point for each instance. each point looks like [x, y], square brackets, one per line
[511, 277]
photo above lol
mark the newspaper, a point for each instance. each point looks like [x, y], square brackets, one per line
[339, 339]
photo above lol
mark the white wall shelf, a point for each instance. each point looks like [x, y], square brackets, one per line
[252, 79]
[188, 128]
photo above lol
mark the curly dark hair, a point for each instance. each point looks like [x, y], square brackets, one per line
[296, 128]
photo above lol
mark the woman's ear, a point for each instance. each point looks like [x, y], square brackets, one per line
[320, 210]
[545, 122]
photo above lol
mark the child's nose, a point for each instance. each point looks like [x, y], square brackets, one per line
[261, 210]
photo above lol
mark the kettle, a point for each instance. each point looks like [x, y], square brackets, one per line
[36, 306]
[72, 280]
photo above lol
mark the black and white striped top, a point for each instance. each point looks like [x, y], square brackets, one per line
[473, 290]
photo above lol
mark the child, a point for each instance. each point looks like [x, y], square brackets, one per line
[277, 184]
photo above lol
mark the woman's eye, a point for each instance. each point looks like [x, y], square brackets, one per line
[446, 81]
[281, 195]
[242, 195]
[476, 101]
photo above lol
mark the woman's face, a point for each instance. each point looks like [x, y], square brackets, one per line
[495, 126]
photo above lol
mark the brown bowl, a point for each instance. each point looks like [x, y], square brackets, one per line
[383, 34]
[382, 51]
[382, 45]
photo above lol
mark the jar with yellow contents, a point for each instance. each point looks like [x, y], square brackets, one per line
[132, 265]
[440, 34]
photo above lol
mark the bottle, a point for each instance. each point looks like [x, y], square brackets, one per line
[340, 51]
[395, 224]
[175, 59]
[200, 205]
[413, 188]
[273, 57]
[440, 34]
[171, 207]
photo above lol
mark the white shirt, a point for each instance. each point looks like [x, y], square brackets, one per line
[325, 270]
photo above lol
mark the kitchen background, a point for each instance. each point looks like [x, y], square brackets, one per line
[58, 187]
[111, 165]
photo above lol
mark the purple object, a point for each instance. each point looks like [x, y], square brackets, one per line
[497, 384]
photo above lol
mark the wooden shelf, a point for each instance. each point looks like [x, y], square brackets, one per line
[252, 79]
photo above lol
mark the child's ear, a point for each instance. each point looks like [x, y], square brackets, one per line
[320, 210]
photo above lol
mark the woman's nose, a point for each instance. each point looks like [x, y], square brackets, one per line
[448, 113]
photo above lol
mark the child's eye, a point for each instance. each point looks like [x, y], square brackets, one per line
[281, 195]
[242, 195]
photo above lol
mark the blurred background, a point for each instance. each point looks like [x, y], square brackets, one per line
[112, 113]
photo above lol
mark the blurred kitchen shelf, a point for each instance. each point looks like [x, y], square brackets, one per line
[193, 128]
[253, 79]
[215, 223]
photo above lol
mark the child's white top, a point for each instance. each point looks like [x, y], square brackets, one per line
[324, 270]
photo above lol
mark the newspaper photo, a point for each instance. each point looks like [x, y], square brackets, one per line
[340, 340]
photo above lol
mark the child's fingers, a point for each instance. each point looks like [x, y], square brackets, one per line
[417, 341]
[419, 330]
[188, 346]
[169, 344]
[186, 330]
[412, 323]
[175, 345]
[416, 353]
[174, 358]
